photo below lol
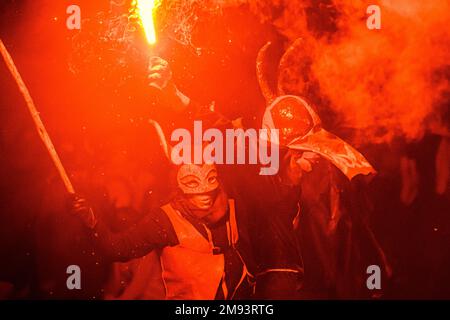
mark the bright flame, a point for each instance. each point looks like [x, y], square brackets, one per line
[145, 10]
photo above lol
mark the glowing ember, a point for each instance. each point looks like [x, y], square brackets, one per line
[144, 10]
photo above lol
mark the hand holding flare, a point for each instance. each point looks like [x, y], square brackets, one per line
[144, 10]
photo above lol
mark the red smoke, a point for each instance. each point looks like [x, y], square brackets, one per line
[385, 83]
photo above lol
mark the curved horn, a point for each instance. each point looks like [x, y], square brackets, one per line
[267, 92]
[162, 138]
[284, 60]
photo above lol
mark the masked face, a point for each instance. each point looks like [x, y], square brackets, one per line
[199, 184]
[301, 130]
[291, 118]
[197, 179]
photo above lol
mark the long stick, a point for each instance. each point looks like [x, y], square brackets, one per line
[37, 120]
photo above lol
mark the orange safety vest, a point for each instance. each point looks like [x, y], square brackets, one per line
[190, 270]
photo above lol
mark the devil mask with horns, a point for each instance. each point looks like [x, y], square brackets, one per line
[300, 128]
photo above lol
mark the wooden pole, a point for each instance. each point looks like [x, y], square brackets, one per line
[36, 118]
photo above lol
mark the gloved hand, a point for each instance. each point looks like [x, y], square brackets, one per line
[295, 164]
[80, 206]
[160, 74]
[160, 77]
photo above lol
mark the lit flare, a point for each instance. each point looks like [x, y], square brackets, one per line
[145, 11]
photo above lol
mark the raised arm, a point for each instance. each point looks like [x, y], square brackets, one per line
[180, 105]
